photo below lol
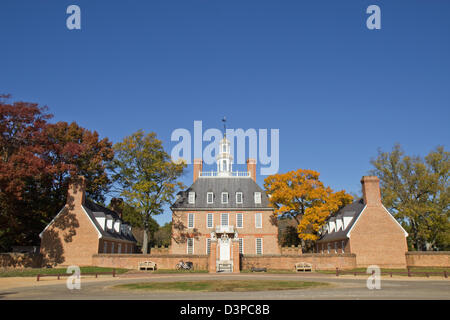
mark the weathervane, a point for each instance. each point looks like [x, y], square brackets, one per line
[224, 120]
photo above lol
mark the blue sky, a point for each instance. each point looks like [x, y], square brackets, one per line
[335, 90]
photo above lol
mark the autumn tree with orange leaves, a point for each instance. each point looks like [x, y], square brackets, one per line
[302, 196]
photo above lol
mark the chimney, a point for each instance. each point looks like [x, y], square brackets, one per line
[76, 192]
[116, 205]
[371, 190]
[198, 166]
[251, 168]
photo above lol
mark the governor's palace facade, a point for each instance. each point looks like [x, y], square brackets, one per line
[223, 222]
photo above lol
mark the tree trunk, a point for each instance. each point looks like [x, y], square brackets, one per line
[145, 241]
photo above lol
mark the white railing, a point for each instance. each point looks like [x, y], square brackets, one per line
[224, 229]
[244, 174]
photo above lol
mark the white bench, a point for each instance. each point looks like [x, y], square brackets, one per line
[303, 266]
[146, 265]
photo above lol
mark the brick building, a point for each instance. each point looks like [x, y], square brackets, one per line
[83, 228]
[367, 229]
[224, 214]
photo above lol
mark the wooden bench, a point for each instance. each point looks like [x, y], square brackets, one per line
[303, 266]
[146, 265]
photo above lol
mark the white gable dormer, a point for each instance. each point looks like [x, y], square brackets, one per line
[347, 221]
[331, 226]
[339, 224]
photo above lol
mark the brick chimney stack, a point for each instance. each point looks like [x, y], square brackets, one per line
[198, 167]
[77, 191]
[251, 167]
[371, 190]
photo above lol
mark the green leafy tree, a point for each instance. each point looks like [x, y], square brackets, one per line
[417, 191]
[146, 176]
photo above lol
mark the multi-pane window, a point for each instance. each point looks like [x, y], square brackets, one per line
[191, 197]
[209, 220]
[190, 220]
[343, 246]
[209, 197]
[257, 197]
[105, 247]
[335, 247]
[239, 220]
[239, 197]
[119, 248]
[224, 219]
[112, 247]
[328, 248]
[224, 197]
[259, 245]
[241, 245]
[258, 220]
[190, 246]
[208, 245]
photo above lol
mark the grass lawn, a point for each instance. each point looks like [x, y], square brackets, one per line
[387, 270]
[33, 272]
[221, 285]
[272, 271]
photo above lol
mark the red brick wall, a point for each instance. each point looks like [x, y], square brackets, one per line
[377, 239]
[130, 261]
[249, 232]
[71, 239]
[428, 259]
[318, 261]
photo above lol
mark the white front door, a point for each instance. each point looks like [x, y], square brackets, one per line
[224, 249]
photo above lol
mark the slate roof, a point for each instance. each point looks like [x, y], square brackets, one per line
[217, 185]
[95, 210]
[351, 210]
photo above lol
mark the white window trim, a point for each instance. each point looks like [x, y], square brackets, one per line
[208, 240]
[242, 198]
[237, 225]
[342, 246]
[212, 220]
[187, 245]
[112, 247]
[256, 246]
[241, 248]
[256, 220]
[255, 198]
[193, 220]
[191, 197]
[212, 197]
[221, 219]
[228, 197]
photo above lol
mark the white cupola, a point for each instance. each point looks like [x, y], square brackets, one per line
[224, 158]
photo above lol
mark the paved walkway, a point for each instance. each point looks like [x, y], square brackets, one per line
[342, 287]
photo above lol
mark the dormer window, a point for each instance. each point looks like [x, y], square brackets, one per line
[239, 197]
[224, 197]
[257, 197]
[191, 199]
[209, 197]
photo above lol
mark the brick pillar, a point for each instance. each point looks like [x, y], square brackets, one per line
[236, 256]
[251, 167]
[198, 167]
[212, 257]
[76, 192]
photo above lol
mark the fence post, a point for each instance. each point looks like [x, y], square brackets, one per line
[337, 271]
[38, 276]
[445, 274]
[409, 272]
[58, 276]
[114, 272]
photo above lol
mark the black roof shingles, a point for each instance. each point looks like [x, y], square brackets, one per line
[96, 210]
[351, 210]
[217, 185]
